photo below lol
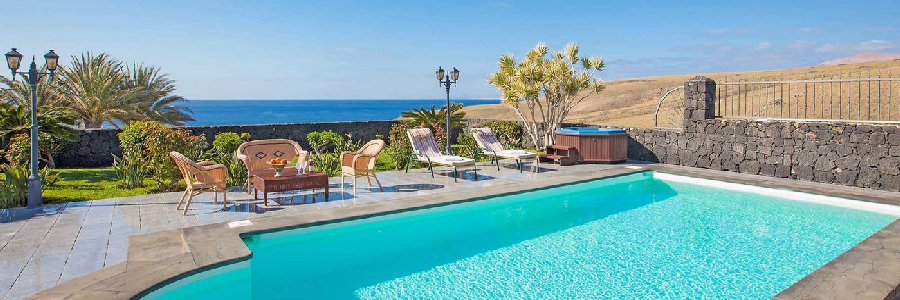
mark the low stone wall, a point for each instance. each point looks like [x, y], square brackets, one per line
[94, 148]
[853, 154]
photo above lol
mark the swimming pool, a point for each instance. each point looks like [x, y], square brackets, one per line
[635, 236]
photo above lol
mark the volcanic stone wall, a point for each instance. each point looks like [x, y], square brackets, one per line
[864, 155]
[94, 148]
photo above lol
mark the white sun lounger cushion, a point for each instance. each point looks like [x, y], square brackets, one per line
[516, 154]
[453, 160]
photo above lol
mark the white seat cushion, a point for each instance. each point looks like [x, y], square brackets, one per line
[516, 154]
[453, 160]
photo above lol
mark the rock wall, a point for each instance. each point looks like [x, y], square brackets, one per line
[861, 155]
[864, 155]
[94, 148]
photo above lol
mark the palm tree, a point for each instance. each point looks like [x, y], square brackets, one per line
[15, 122]
[95, 88]
[18, 92]
[435, 118]
[155, 96]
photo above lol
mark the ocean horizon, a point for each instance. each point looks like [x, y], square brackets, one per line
[252, 111]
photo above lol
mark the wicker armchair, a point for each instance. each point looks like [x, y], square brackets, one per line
[201, 177]
[361, 163]
[256, 154]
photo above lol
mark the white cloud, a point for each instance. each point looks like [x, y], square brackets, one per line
[867, 46]
[718, 31]
[347, 50]
[875, 45]
[808, 30]
[763, 46]
[801, 45]
[729, 31]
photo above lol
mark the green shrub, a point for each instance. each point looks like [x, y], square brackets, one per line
[130, 173]
[320, 141]
[327, 147]
[400, 148]
[148, 144]
[395, 157]
[223, 151]
[18, 151]
[328, 163]
[467, 146]
[15, 133]
[398, 137]
[509, 133]
[13, 186]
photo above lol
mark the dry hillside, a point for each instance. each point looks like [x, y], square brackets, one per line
[632, 102]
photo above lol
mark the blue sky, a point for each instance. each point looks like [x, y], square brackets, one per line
[390, 49]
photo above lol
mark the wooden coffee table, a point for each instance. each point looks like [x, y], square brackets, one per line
[290, 181]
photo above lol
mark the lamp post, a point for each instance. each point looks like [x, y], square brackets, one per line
[33, 76]
[447, 81]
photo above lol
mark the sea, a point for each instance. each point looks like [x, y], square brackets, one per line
[242, 112]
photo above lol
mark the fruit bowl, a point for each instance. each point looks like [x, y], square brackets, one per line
[278, 165]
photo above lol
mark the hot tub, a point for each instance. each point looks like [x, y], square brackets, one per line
[595, 144]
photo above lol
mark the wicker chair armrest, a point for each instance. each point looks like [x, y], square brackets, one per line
[214, 167]
[206, 163]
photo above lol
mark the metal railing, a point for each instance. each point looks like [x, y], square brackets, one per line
[848, 99]
[670, 109]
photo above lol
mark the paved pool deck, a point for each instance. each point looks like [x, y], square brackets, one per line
[116, 248]
[40, 249]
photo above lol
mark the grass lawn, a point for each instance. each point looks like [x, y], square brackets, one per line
[101, 183]
[87, 184]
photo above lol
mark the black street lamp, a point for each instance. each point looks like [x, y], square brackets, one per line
[33, 76]
[447, 81]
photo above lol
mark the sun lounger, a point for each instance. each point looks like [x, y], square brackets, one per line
[425, 150]
[487, 141]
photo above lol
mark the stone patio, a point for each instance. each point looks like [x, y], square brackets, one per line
[40, 249]
[91, 240]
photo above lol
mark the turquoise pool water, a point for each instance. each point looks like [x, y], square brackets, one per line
[626, 237]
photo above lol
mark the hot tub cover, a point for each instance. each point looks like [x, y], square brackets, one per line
[590, 130]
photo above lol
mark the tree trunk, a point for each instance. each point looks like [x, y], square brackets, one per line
[50, 162]
[530, 128]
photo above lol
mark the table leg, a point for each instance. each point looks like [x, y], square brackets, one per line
[326, 193]
[265, 198]
[255, 194]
